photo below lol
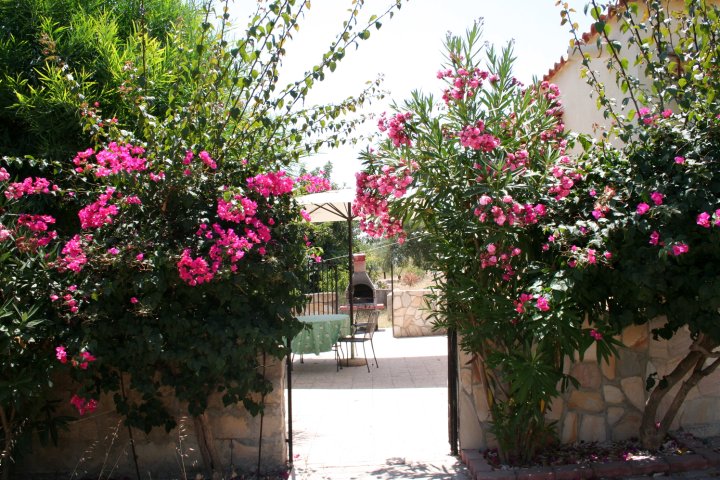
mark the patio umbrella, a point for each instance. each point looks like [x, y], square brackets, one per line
[334, 206]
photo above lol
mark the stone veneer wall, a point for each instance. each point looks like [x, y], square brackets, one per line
[83, 449]
[610, 400]
[411, 311]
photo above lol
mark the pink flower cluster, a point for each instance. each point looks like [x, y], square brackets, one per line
[69, 301]
[204, 157]
[373, 195]
[705, 219]
[271, 183]
[73, 255]
[473, 137]
[508, 212]
[83, 406]
[4, 175]
[463, 83]
[597, 336]
[237, 210]
[29, 186]
[114, 159]
[541, 302]
[313, 183]
[82, 361]
[647, 117]
[194, 271]
[492, 257]
[38, 225]
[395, 127]
[552, 94]
[98, 213]
[566, 175]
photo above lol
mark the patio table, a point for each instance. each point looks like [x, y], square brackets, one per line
[322, 336]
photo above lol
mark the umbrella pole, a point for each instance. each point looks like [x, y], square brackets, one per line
[350, 269]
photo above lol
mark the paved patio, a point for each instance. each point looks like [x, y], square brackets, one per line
[390, 423]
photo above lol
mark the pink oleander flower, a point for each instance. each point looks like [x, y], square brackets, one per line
[666, 113]
[305, 215]
[134, 300]
[140, 257]
[597, 214]
[61, 354]
[654, 237]
[607, 255]
[679, 160]
[4, 175]
[680, 248]
[657, 198]
[642, 208]
[596, 335]
[542, 304]
[113, 251]
[485, 200]
[703, 220]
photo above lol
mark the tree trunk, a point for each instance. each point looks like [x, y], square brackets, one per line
[206, 445]
[5, 456]
[652, 429]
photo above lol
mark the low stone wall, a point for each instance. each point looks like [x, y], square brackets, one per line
[411, 312]
[609, 402]
[98, 444]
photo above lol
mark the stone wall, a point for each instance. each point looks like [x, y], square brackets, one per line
[410, 314]
[609, 402]
[97, 445]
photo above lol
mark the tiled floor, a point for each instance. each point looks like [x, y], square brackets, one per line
[390, 423]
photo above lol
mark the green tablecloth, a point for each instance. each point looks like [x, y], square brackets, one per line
[322, 336]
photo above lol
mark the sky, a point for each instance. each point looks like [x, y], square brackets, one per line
[408, 51]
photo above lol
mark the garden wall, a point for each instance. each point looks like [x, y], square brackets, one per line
[97, 445]
[410, 314]
[610, 400]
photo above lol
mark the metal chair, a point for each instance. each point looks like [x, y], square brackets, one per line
[361, 334]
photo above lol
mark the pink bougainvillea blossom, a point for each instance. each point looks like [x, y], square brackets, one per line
[207, 160]
[73, 255]
[642, 208]
[98, 213]
[313, 183]
[82, 405]
[271, 183]
[654, 237]
[680, 248]
[114, 159]
[61, 354]
[238, 209]
[703, 220]
[29, 186]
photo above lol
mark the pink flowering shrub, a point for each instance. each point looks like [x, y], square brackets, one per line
[661, 178]
[487, 188]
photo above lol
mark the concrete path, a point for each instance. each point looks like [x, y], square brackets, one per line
[390, 423]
